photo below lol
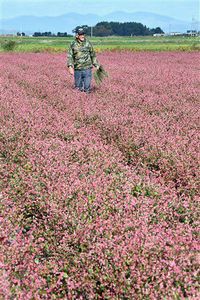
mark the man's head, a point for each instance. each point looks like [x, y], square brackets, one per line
[80, 34]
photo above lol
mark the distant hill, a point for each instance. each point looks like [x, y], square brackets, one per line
[67, 22]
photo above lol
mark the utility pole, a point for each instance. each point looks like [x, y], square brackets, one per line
[195, 24]
[91, 32]
[194, 27]
[169, 29]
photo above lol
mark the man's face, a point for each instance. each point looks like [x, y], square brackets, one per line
[81, 37]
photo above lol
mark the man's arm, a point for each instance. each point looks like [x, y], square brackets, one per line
[70, 60]
[93, 57]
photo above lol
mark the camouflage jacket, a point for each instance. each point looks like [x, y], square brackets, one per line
[81, 55]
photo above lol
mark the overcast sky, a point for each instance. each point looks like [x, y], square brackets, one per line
[180, 9]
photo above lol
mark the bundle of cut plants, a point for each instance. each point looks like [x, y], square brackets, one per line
[99, 75]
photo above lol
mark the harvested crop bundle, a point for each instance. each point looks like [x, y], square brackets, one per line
[99, 75]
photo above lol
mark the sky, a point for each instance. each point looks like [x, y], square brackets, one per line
[179, 9]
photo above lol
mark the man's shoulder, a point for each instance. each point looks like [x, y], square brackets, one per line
[73, 43]
[88, 42]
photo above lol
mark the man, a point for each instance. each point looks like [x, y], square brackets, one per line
[81, 59]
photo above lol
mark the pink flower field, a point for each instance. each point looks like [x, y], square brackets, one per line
[99, 193]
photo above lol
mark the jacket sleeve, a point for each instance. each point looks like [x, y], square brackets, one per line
[70, 57]
[93, 56]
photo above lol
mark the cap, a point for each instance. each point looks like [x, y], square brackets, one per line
[80, 31]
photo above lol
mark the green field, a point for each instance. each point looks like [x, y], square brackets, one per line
[148, 43]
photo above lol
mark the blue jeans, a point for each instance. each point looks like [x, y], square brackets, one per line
[83, 79]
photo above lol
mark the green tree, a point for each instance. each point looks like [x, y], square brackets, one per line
[120, 29]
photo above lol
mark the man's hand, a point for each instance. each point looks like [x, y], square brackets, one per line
[71, 70]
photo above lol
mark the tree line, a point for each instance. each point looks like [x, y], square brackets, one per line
[102, 29]
[50, 34]
[119, 29]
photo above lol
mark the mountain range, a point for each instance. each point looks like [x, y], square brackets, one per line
[67, 22]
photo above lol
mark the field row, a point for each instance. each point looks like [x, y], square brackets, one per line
[100, 192]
